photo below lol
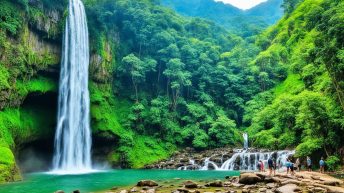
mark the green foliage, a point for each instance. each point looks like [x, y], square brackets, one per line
[10, 18]
[332, 163]
[307, 110]
[4, 76]
[145, 150]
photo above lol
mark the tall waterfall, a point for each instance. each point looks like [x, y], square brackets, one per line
[245, 136]
[73, 137]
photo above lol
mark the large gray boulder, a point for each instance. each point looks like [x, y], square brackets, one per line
[149, 183]
[249, 178]
[288, 188]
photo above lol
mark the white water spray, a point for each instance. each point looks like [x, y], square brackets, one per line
[73, 136]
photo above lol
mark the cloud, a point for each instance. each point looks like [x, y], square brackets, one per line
[243, 4]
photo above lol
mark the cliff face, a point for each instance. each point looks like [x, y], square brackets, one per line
[30, 49]
[29, 61]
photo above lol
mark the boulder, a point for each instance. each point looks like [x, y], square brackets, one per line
[291, 181]
[271, 185]
[227, 184]
[183, 190]
[268, 180]
[288, 188]
[331, 189]
[319, 190]
[149, 183]
[151, 191]
[249, 178]
[217, 183]
[190, 184]
[331, 182]
[237, 185]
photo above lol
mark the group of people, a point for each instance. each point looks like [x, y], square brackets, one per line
[291, 167]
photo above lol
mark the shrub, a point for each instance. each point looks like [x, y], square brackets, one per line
[333, 163]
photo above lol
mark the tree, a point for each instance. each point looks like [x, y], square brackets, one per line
[177, 78]
[137, 70]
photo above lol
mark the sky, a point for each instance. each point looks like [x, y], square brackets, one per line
[243, 4]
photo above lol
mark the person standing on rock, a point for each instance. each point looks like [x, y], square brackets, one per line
[322, 165]
[309, 164]
[271, 166]
[297, 164]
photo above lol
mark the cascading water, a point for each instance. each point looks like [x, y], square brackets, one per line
[248, 160]
[245, 136]
[207, 162]
[73, 137]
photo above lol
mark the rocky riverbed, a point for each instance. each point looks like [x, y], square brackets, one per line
[311, 182]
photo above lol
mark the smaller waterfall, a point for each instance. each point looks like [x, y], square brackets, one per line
[248, 160]
[207, 162]
[245, 136]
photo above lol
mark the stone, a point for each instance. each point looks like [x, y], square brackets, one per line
[319, 190]
[227, 184]
[331, 189]
[246, 191]
[262, 189]
[190, 184]
[123, 191]
[237, 185]
[291, 181]
[60, 191]
[268, 179]
[76, 191]
[271, 185]
[331, 182]
[217, 183]
[250, 186]
[249, 178]
[315, 177]
[151, 191]
[149, 183]
[183, 190]
[288, 188]
[217, 190]
[134, 190]
[194, 191]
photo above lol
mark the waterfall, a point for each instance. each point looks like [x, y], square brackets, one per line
[207, 162]
[248, 160]
[73, 136]
[245, 136]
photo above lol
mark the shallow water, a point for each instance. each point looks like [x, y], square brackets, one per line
[48, 183]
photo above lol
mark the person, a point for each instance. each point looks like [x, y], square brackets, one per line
[297, 164]
[292, 168]
[258, 165]
[287, 164]
[322, 165]
[309, 164]
[271, 166]
[262, 167]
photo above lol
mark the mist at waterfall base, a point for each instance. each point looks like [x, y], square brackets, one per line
[73, 134]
